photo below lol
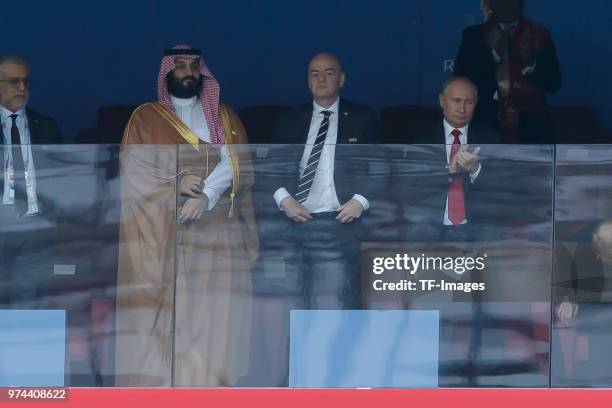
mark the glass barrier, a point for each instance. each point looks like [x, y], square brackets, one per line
[59, 250]
[443, 280]
[581, 336]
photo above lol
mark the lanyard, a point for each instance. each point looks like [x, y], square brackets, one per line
[9, 172]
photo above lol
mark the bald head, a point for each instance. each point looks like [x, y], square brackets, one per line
[327, 58]
[325, 79]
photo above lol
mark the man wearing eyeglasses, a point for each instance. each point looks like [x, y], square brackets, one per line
[23, 126]
[22, 247]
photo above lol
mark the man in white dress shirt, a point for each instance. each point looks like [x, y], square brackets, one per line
[322, 197]
[23, 260]
[443, 204]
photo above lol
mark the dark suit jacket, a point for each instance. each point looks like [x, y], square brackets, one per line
[43, 131]
[423, 178]
[580, 278]
[476, 62]
[357, 124]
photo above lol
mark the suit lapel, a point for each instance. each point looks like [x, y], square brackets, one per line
[299, 136]
[439, 134]
[33, 126]
[475, 136]
[439, 137]
[345, 121]
[343, 118]
[305, 118]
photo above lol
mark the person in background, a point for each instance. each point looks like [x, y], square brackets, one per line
[23, 255]
[513, 62]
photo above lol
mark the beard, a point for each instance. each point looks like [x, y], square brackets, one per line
[179, 89]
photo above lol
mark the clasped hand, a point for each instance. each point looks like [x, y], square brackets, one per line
[347, 212]
[191, 185]
[465, 160]
[193, 208]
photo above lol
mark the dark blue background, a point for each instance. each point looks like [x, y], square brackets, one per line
[91, 53]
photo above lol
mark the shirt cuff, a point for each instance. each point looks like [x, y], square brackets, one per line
[364, 202]
[213, 197]
[280, 195]
[475, 175]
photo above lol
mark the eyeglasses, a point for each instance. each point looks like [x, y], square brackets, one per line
[15, 82]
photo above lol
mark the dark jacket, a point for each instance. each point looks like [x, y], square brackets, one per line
[475, 61]
[424, 179]
[43, 129]
[357, 124]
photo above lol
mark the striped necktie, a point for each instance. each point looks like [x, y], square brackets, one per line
[310, 170]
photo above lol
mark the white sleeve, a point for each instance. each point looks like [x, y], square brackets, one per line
[280, 195]
[362, 200]
[474, 176]
[219, 180]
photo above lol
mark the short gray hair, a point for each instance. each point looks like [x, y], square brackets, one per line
[458, 78]
[14, 59]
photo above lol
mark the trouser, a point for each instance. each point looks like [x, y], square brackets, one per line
[322, 263]
[321, 272]
[25, 259]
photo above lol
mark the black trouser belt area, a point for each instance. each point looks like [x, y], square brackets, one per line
[324, 215]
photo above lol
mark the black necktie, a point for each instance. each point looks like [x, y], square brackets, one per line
[310, 170]
[21, 199]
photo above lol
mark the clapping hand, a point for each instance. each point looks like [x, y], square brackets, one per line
[465, 160]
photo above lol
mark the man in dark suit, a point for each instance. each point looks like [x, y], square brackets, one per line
[441, 200]
[321, 196]
[23, 243]
[587, 277]
[582, 307]
[513, 62]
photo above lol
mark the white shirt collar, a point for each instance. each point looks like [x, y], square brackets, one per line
[7, 113]
[318, 108]
[448, 128]
[182, 102]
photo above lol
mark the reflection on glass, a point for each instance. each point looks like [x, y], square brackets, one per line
[159, 295]
[214, 253]
[581, 335]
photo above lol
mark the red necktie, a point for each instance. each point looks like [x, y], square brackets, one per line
[456, 202]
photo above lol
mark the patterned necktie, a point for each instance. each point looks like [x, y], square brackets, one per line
[21, 200]
[310, 170]
[456, 202]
